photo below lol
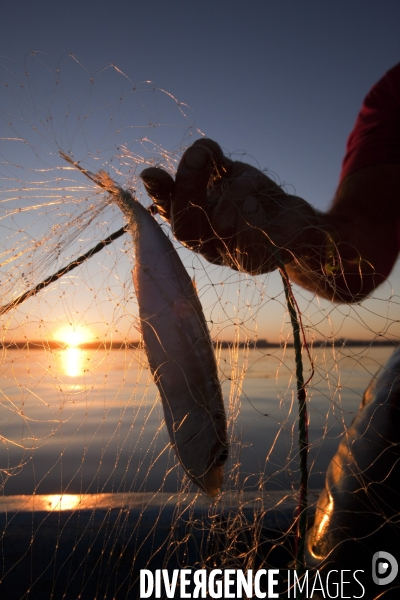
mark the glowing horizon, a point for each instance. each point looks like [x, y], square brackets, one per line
[74, 335]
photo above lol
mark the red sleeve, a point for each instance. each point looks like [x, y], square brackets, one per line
[375, 138]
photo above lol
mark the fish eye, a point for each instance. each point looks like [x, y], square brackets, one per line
[221, 458]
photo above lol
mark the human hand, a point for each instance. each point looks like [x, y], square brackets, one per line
[229, 211]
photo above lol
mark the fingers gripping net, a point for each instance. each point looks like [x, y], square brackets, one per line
[87, 471]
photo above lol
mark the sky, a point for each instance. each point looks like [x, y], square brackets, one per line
[279, 80]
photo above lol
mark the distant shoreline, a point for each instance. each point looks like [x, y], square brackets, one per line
[258, 344]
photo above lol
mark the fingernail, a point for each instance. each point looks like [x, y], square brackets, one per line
[154, 174]
[150, 183]
[197, 158]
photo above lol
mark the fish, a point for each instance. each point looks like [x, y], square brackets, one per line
[177, 343]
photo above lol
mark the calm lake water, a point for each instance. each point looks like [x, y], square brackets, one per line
[79, 421]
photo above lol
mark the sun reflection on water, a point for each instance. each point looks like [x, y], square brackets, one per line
[64, 502]
[73, 361]
[72, 356]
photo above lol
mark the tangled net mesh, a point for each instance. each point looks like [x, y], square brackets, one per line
[83, 447]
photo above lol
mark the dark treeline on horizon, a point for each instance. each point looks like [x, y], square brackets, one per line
[260, 344]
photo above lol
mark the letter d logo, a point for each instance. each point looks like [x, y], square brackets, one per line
[384, 568]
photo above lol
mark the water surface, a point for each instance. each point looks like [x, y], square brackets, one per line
[78, 421]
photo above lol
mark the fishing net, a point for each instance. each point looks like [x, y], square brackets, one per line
[91, 491]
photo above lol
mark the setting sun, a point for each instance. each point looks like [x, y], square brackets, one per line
[73, 335]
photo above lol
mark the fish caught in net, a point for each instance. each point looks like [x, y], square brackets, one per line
[92, 491]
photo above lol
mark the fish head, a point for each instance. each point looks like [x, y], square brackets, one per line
[203, 457]
[211, 480]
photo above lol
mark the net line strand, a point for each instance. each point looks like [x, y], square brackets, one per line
[63, 271]
[297, 327]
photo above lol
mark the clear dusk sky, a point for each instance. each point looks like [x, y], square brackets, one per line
[281, 80]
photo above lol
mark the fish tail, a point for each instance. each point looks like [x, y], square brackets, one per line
[102, 179]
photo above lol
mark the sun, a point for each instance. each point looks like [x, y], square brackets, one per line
[73, 335]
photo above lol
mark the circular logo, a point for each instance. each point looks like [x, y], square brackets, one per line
[384, 568]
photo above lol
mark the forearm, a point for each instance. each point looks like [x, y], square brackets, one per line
[333, 276]
[355, 244]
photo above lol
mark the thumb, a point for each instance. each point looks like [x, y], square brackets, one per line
[159, 186]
